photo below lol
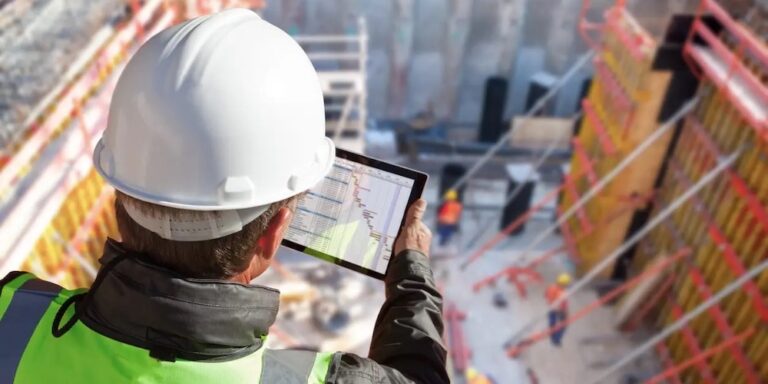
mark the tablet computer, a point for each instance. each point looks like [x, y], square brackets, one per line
[353, 216]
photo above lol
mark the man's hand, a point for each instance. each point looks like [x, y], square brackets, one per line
[415, 235]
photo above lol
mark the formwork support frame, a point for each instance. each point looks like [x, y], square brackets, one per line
[608, 259]
[681, 322]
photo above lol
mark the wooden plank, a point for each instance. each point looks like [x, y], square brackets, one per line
[541, 132]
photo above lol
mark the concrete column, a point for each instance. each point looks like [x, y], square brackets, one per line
[402, 47]
[511, 17]
[454, 48]
[563, 35]
[292, 15]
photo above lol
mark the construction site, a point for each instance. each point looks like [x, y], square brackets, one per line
[615, 151]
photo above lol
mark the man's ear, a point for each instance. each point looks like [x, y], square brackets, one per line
[270, 240]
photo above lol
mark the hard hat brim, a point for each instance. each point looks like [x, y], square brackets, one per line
[312, 175]
[196, 225]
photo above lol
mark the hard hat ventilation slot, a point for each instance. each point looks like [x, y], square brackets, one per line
[238, 189]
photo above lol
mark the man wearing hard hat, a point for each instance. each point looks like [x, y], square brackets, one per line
[216, 126]
[556, 291]
[448, 216]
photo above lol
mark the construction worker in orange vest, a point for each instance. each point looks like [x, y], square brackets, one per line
[448, 216]
[553, 293]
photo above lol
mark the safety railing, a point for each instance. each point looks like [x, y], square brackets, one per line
[725, 63]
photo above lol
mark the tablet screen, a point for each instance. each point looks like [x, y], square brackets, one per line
[353, 216]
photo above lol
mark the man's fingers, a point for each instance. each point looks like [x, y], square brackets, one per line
[414, 235]
[416, 212]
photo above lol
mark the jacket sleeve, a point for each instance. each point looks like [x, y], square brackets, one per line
[407, 344]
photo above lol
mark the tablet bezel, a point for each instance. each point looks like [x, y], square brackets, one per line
[419, 182]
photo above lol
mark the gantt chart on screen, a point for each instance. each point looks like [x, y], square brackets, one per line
[354, 214]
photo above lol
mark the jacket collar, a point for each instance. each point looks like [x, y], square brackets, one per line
[153, 308]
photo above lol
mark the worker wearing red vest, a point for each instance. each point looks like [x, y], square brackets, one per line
[559, 314]
[448, 216]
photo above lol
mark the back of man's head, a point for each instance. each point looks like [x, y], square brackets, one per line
[220, 258]
[215, 124]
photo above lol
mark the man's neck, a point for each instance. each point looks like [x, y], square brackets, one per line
[243, 277]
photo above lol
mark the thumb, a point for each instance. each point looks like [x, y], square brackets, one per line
[416, 211]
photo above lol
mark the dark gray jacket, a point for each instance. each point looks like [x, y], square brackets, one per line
[407, 338]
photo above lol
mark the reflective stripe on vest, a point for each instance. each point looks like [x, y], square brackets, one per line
[82, 355]
[294, 366]
[11, 283]
[26, 305]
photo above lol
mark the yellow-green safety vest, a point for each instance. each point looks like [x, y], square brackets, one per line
[29, 352]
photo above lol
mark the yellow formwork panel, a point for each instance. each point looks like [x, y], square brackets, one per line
[76, 235]
[732, 217]
[625, 126]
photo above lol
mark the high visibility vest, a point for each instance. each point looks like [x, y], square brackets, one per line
[553, 293]
[449, 213]
[29, 353]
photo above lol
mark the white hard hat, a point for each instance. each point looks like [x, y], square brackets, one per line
[222, 112]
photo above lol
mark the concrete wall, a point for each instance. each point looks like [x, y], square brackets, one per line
[548, 42]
